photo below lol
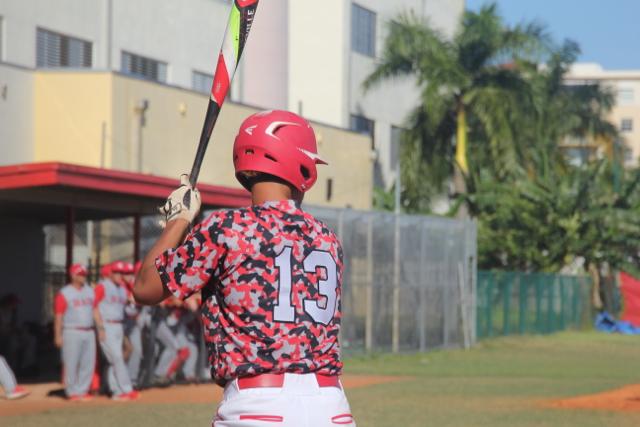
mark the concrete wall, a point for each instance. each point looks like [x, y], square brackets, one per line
[16, 115]
[71, 107]
[22, 265]
[317, 61]
[616, 81]
[185, 35]
[78, 18]
[390, 103]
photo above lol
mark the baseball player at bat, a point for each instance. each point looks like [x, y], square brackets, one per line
[270, 276]
[74, 324]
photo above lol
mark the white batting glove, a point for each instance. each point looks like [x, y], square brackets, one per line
[183, 203]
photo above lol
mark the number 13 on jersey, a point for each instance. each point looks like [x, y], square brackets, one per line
[283, 310]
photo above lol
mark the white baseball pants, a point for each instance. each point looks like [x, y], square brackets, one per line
[7, 379]
[300, 402]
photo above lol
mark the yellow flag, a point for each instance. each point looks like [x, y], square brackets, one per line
[461, 141]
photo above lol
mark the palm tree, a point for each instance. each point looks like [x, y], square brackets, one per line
[474, 78]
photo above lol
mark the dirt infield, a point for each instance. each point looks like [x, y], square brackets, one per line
[626, 399]
[46, 397]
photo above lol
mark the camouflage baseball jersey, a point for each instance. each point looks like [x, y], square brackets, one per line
[270, 277]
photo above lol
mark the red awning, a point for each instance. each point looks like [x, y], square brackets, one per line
[44, 190]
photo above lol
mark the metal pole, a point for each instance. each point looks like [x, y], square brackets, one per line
[70, 220]
[463, 306]
[136, 238]
[423, 282]
[103, 145]
[368, 329]
[90, 246]
[395, 332]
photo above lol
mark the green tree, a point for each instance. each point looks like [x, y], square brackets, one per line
[474, 78]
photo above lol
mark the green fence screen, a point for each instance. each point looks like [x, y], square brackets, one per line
[530, 303]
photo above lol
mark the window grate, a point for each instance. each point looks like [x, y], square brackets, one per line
[54, 50]
[140, 66]
[363, 30]
[201, 82]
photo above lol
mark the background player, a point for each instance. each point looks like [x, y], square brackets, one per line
[133, 324]
[270, 277]
[8, 382]
[75, 319]
[111, 299]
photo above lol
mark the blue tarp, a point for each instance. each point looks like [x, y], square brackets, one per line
[605, 322]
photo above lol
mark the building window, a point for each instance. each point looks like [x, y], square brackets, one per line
[1, 38]
[139, 66]
[363, 30]
[201, 82]
[626, 125]
[626, 96]
[54, 50]
[361, 124]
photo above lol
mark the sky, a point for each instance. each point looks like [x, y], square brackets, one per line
[608, 31]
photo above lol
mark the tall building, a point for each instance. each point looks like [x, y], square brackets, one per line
[324, 53]
[625, 85]
[124, 85]
[303, 56]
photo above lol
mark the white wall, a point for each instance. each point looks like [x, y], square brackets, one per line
[77, 18]
[16, 115]
[186, 35]
[263, 77]
[317, 63]
[390, 103]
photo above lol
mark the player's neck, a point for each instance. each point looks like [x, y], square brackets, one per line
[263, 192]
[77, 285]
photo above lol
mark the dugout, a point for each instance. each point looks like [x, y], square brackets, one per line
[39, 194]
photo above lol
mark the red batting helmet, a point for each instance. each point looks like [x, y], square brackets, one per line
[277, 143]
[78, 270]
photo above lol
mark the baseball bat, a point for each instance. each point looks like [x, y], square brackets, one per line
[240, 21]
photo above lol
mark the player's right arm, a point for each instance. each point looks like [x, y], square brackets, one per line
[60, 306]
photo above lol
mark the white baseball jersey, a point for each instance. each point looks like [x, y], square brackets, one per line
[76, 306]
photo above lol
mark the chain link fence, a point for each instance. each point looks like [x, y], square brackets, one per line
[409, 281]
[522, 303]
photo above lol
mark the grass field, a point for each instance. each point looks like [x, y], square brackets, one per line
[501, 382]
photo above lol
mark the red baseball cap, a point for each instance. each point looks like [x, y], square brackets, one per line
[78, 270]
[119, 267]
[129, 269]
[105, 270]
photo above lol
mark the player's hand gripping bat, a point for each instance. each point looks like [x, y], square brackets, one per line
[242, 15]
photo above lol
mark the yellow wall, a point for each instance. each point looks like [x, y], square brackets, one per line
[71, 107]
[69, 111]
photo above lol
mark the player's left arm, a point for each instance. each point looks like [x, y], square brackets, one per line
[181, 208]
[97, 319]
[148, 288]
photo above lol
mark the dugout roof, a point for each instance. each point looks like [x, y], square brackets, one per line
[45, 191]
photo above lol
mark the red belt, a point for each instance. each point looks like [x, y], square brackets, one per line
[79, 328]
[277, 380]
[113, 321]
